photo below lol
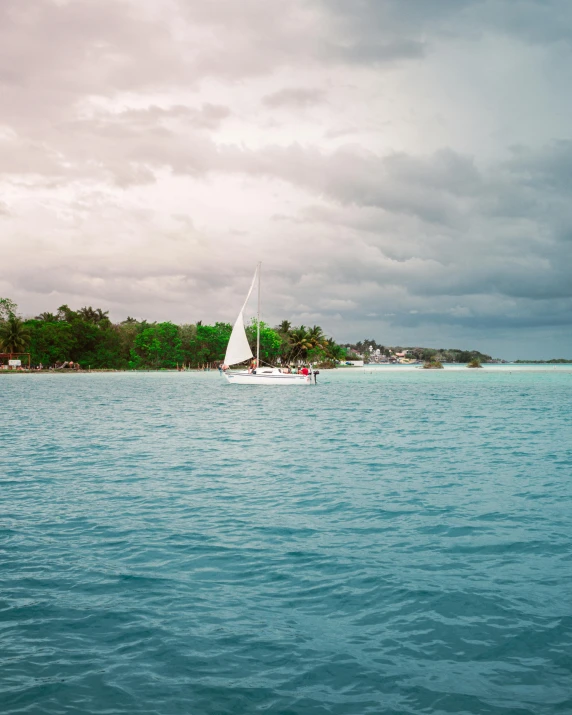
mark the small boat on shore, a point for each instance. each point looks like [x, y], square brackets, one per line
[238, 351]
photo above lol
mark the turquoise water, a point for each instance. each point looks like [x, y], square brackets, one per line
[385, 542]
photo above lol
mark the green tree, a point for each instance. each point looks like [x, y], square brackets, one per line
[14, 335]
[432, 365]
[270, 342]
[157, 346]
[50, 342]
[188, 334]
[427, 354]
[65, 313]
[95, 341]
[47, 317]
[7, 308]
[332, 353]
[284, 328]
[300, 343]
[316, 336]
[208, 344]
[93, 315]
[126, 333]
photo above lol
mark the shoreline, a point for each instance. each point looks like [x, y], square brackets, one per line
[343, 369]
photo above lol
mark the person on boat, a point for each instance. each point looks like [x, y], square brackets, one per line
[304, 370]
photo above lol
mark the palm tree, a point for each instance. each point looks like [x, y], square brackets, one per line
[14, 335]
[65, 313]
[92, 315]
[283, 331]
[7, 308]
[316, 336]
[300, 343]
[332, 349]
[101, 315]
[47, 317]
[88, 314]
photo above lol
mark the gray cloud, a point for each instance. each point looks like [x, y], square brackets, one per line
[549, 166]
[545, 22]
[150, 153]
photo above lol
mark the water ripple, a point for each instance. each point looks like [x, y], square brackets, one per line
[394, 542]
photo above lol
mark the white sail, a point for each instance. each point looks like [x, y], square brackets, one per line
[238, 349]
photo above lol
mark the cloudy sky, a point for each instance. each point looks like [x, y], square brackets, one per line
[403, 168]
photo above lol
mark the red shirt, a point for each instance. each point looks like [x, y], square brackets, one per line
[304, 371]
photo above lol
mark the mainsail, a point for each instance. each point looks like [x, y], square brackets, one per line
[238, 349]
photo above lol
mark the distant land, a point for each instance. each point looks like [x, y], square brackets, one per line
[87, 338]
[373, 352]
[554, 361]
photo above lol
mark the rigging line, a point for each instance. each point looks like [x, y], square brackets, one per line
[258, 318]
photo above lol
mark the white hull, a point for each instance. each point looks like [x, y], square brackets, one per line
[273, 377]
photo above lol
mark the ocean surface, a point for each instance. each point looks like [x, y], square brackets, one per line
[388, 541]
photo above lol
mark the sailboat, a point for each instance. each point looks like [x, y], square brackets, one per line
[238, 351]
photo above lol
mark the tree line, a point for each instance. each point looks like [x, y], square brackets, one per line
[87, 336]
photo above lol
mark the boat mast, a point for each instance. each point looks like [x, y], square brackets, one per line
[258, 321]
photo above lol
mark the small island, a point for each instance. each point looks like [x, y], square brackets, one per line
[433, 365]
